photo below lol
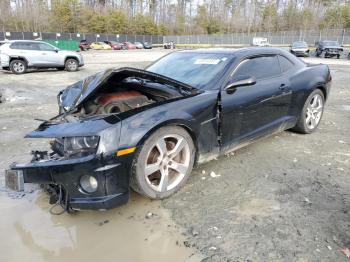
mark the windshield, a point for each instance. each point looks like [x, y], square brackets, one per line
[195, 69]
[299, 45]
[332, 43]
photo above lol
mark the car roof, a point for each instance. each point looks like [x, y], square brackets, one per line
[246, 51]
[24, 41]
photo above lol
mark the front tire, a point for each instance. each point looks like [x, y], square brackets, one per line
[18, 66]
[311, 114]
[71, 65]
[163, 163]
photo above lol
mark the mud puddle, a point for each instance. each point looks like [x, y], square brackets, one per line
[28, 231]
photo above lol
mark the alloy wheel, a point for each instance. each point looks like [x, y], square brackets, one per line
[314, 111]
[72, 65]
[18, 67]
[167, 162]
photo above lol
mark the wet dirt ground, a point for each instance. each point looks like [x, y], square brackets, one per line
[284, 198]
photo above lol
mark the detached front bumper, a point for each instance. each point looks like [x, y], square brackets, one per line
[112, 176]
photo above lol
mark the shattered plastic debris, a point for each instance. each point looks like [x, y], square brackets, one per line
[149, 215]
[345, 251]
[194, 232]
[212, 174]
[212, 248]
[307, 200]
[203, 172]
[295, 160]
[230, 154]
[342, 142]
[203, 177]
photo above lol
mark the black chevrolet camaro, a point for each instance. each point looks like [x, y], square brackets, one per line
[148, 128]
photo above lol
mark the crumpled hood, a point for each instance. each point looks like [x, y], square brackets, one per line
[86, 127]
[76, 94]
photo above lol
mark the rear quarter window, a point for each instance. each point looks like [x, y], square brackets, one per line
[22, 46]
[285, 64]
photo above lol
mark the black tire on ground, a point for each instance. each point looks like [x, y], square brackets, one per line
[301, 126]
[138, 180]
[18, 66]
[338, 56]
[71, 65]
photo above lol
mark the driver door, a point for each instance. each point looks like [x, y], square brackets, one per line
[254, 110]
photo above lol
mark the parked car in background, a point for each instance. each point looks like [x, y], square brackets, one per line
[260, 41]
[148, 128]
[129, 45]
[147, 45]
[84, 45]
[115, 45]
[328, 48]
[100, 46]
[139, 45]
[169, 45]
[300, 48]
[19, 55]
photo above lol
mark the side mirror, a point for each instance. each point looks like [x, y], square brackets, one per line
[242, 80]
[56, 50]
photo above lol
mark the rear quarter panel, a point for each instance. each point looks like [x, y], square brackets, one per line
[304, 81]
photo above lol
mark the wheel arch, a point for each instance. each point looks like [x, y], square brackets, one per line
[18, 58]
[323, 89]
[71, 57]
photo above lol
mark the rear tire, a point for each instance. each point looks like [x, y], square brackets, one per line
[18, 66]
[163, 163]
[311, 113]
[71, 65]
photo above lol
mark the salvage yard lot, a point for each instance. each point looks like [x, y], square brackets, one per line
[283, 198]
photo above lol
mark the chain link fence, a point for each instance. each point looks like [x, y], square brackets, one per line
[154, 39]
[275, 38]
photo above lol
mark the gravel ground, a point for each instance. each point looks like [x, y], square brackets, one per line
[284, 198]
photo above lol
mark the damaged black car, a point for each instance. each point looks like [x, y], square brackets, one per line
[146, 129]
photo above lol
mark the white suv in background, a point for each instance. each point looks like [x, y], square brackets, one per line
[19, 55]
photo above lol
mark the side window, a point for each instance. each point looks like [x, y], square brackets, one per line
[259, 67]
[21, 45]
[35, 46]
[45, 47]
[285, 63]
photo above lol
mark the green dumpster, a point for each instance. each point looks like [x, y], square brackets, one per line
[64, 44]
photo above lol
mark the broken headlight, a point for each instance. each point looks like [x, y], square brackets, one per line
[81, 144]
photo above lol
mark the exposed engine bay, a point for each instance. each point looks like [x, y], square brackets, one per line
[116, 102]
[118, 94]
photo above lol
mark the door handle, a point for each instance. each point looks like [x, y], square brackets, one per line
[283, 87]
